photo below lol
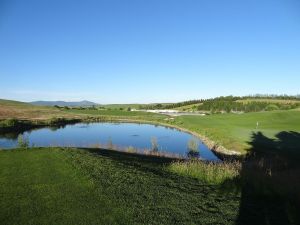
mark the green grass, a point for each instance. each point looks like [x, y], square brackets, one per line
[191, 107]
[5, 102]
[117, 114]
[124, 106]
[70, 186]
[234, 131]
[93, 186]
[39, 187]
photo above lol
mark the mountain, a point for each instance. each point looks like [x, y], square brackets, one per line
[63, 103]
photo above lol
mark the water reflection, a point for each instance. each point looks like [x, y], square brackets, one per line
[138, 136]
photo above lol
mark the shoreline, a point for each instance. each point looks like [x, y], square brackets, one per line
[220, 151]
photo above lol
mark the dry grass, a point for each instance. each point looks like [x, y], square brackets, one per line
[209, 172]
[20, 110]
[133, 150]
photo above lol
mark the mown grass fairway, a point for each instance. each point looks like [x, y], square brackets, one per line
[234, 131]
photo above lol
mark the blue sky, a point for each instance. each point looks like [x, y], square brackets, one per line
[118, 51]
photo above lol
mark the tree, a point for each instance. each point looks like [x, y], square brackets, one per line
[110, 144]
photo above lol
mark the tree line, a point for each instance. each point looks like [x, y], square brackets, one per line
[230, 103]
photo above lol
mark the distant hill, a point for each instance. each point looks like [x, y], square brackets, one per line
[63, 103]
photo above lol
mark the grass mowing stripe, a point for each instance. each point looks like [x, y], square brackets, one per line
[39, 187]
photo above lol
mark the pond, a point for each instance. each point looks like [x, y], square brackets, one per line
[138, 136]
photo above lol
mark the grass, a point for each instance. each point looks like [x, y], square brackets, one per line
[96, 186]
[115, 113]
[39, 187]
[24, 111]
[234, 131]
[191, 107]
[209, 172]
[73, 186]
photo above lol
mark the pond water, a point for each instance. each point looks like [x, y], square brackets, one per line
[120, 134]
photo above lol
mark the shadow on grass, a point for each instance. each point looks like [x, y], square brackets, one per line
[146, 163]
[270, 179]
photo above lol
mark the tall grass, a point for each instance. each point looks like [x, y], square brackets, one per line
[134, 150]
[209, 172]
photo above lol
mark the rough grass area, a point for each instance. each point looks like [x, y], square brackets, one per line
[70, 186]
[209, 172]
[20, 110]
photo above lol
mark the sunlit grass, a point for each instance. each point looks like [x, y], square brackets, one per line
[208, 172]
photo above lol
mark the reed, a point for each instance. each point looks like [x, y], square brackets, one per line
[209, 172]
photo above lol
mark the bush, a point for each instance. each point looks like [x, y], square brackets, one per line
[131, 149]
[154, 144]
[110, 144]
[193, 145]
[23, 142]
[193, 148]
[55, 121]
[9, 123]
[271, 107]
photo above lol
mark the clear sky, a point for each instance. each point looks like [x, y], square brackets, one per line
[129, 51]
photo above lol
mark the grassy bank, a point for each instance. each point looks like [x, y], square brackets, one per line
[71, 186]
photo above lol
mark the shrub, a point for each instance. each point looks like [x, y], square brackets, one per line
[131, 149]
[271, 107]
[154, 144]
[23, 142]
[193, 148]
[56, 121]
[9, 123]
[110, 144]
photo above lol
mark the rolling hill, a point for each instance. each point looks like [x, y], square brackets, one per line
[63, 103]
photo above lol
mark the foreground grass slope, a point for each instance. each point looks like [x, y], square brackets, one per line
[70, 186]
[94, 186]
